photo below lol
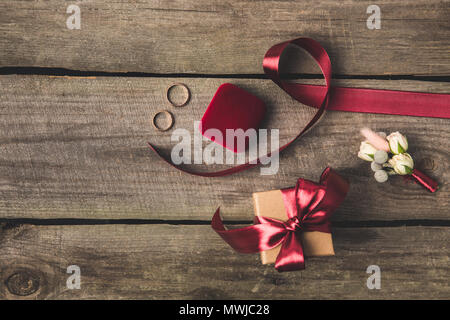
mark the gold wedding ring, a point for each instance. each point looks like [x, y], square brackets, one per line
[186, 90]
[169, 115]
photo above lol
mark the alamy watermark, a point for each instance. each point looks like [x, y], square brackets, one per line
[374, 281]
[73, 22]
[254, 141]
[74, 281]
[374, 20]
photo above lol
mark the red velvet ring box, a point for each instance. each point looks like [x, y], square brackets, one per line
[232, 108]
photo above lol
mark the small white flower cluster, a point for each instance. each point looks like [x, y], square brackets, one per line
[401, 162]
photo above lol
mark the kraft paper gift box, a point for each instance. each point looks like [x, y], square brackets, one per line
[270, 204]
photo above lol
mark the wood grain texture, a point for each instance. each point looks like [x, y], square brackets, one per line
[192, 262]
[224, 37]
[77, 148]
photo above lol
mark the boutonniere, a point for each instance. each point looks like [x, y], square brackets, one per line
[388, 156]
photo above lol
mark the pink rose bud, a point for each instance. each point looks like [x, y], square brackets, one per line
[376, 140]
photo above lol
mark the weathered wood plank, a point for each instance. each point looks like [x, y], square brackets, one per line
[192, 262]
[217, 37]
[77, 148]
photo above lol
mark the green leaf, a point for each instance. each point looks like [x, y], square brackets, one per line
[400, 149]
[408, 170]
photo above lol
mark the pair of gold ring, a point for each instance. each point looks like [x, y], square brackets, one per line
[168, 113]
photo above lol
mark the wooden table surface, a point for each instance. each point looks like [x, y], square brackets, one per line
[79, 186]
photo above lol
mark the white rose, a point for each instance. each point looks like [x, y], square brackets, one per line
[397, 142]
[366, 151]
[402, 163]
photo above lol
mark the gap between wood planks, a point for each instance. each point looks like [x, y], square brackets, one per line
[78, 73]
[9, 223]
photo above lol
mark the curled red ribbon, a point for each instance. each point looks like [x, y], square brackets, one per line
[309, 207]
[336, 98]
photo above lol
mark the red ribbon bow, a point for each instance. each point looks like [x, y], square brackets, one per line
[309, 207]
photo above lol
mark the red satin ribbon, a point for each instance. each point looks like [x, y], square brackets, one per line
[309, 207]
[424, 180]
[337, 98]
